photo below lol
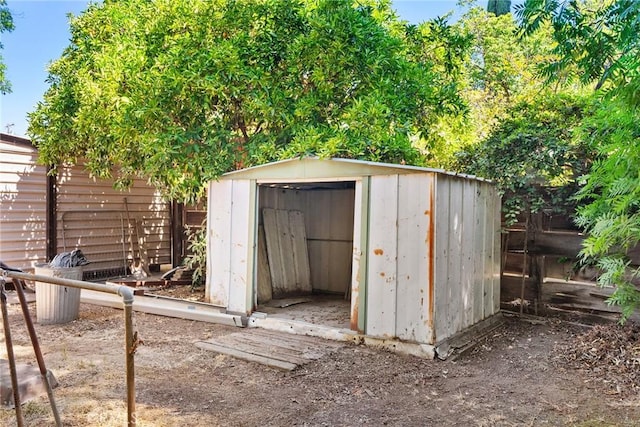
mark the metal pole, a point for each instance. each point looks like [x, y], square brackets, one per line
[12, 360]
[130, 342]
[130, 336]
[36, 349]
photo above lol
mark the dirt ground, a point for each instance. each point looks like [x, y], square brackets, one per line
[513, 377]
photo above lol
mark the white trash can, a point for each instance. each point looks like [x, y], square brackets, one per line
[55, 303]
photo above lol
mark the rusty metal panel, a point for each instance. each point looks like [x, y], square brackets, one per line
[219, 242]
[413, 321]
[22, 206]
[359, 256]
[383, 253]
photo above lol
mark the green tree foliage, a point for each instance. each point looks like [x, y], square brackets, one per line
[612, 195]
[181, 91]
[499, 7]
[498, 72]
[6, 24]
[532, 154]
[601, 40]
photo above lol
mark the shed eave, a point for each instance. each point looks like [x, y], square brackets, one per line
[315, 168]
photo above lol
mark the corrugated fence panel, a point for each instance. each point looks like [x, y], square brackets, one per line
[414, 245]
[22, 207]
[111, 227]
[383, 252]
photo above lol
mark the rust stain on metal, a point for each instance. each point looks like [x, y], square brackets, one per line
[382, 274]
[353, 323]
[427, 212]
[378, 251]
[431, 246]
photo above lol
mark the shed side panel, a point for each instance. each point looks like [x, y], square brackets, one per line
[414, 245]
[480, 291]
[451, 294]
[495, 207]
[219, 217]
[359, 257]
[243, 230]
[442, 291]
[470, 234]
[456, 235]
[23, 186]
[383, 251]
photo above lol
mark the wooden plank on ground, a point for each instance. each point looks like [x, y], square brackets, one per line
[246, 356]
[573, 295]
[277, 349]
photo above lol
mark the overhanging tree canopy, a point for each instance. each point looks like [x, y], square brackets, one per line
[6, 24]
[602, 40]
[183, 90]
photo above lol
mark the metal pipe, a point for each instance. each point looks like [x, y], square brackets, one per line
[10, 355]
[124, 291]
[131, 338]
[36, 349]
[130, 345]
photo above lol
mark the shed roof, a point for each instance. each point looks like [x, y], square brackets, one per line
[310, 168]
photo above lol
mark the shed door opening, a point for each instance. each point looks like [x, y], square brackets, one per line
[316, 218]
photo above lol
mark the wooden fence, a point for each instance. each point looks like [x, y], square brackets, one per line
[548, 278]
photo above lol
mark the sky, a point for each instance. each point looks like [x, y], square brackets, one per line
[42, 32]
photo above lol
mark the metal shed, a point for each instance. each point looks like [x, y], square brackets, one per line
[414, 251]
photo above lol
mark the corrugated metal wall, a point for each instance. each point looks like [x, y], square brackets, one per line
[467, 254]
[92, 216]
[328, 217]
[399, 276]
[439, 273]
[22, 206]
